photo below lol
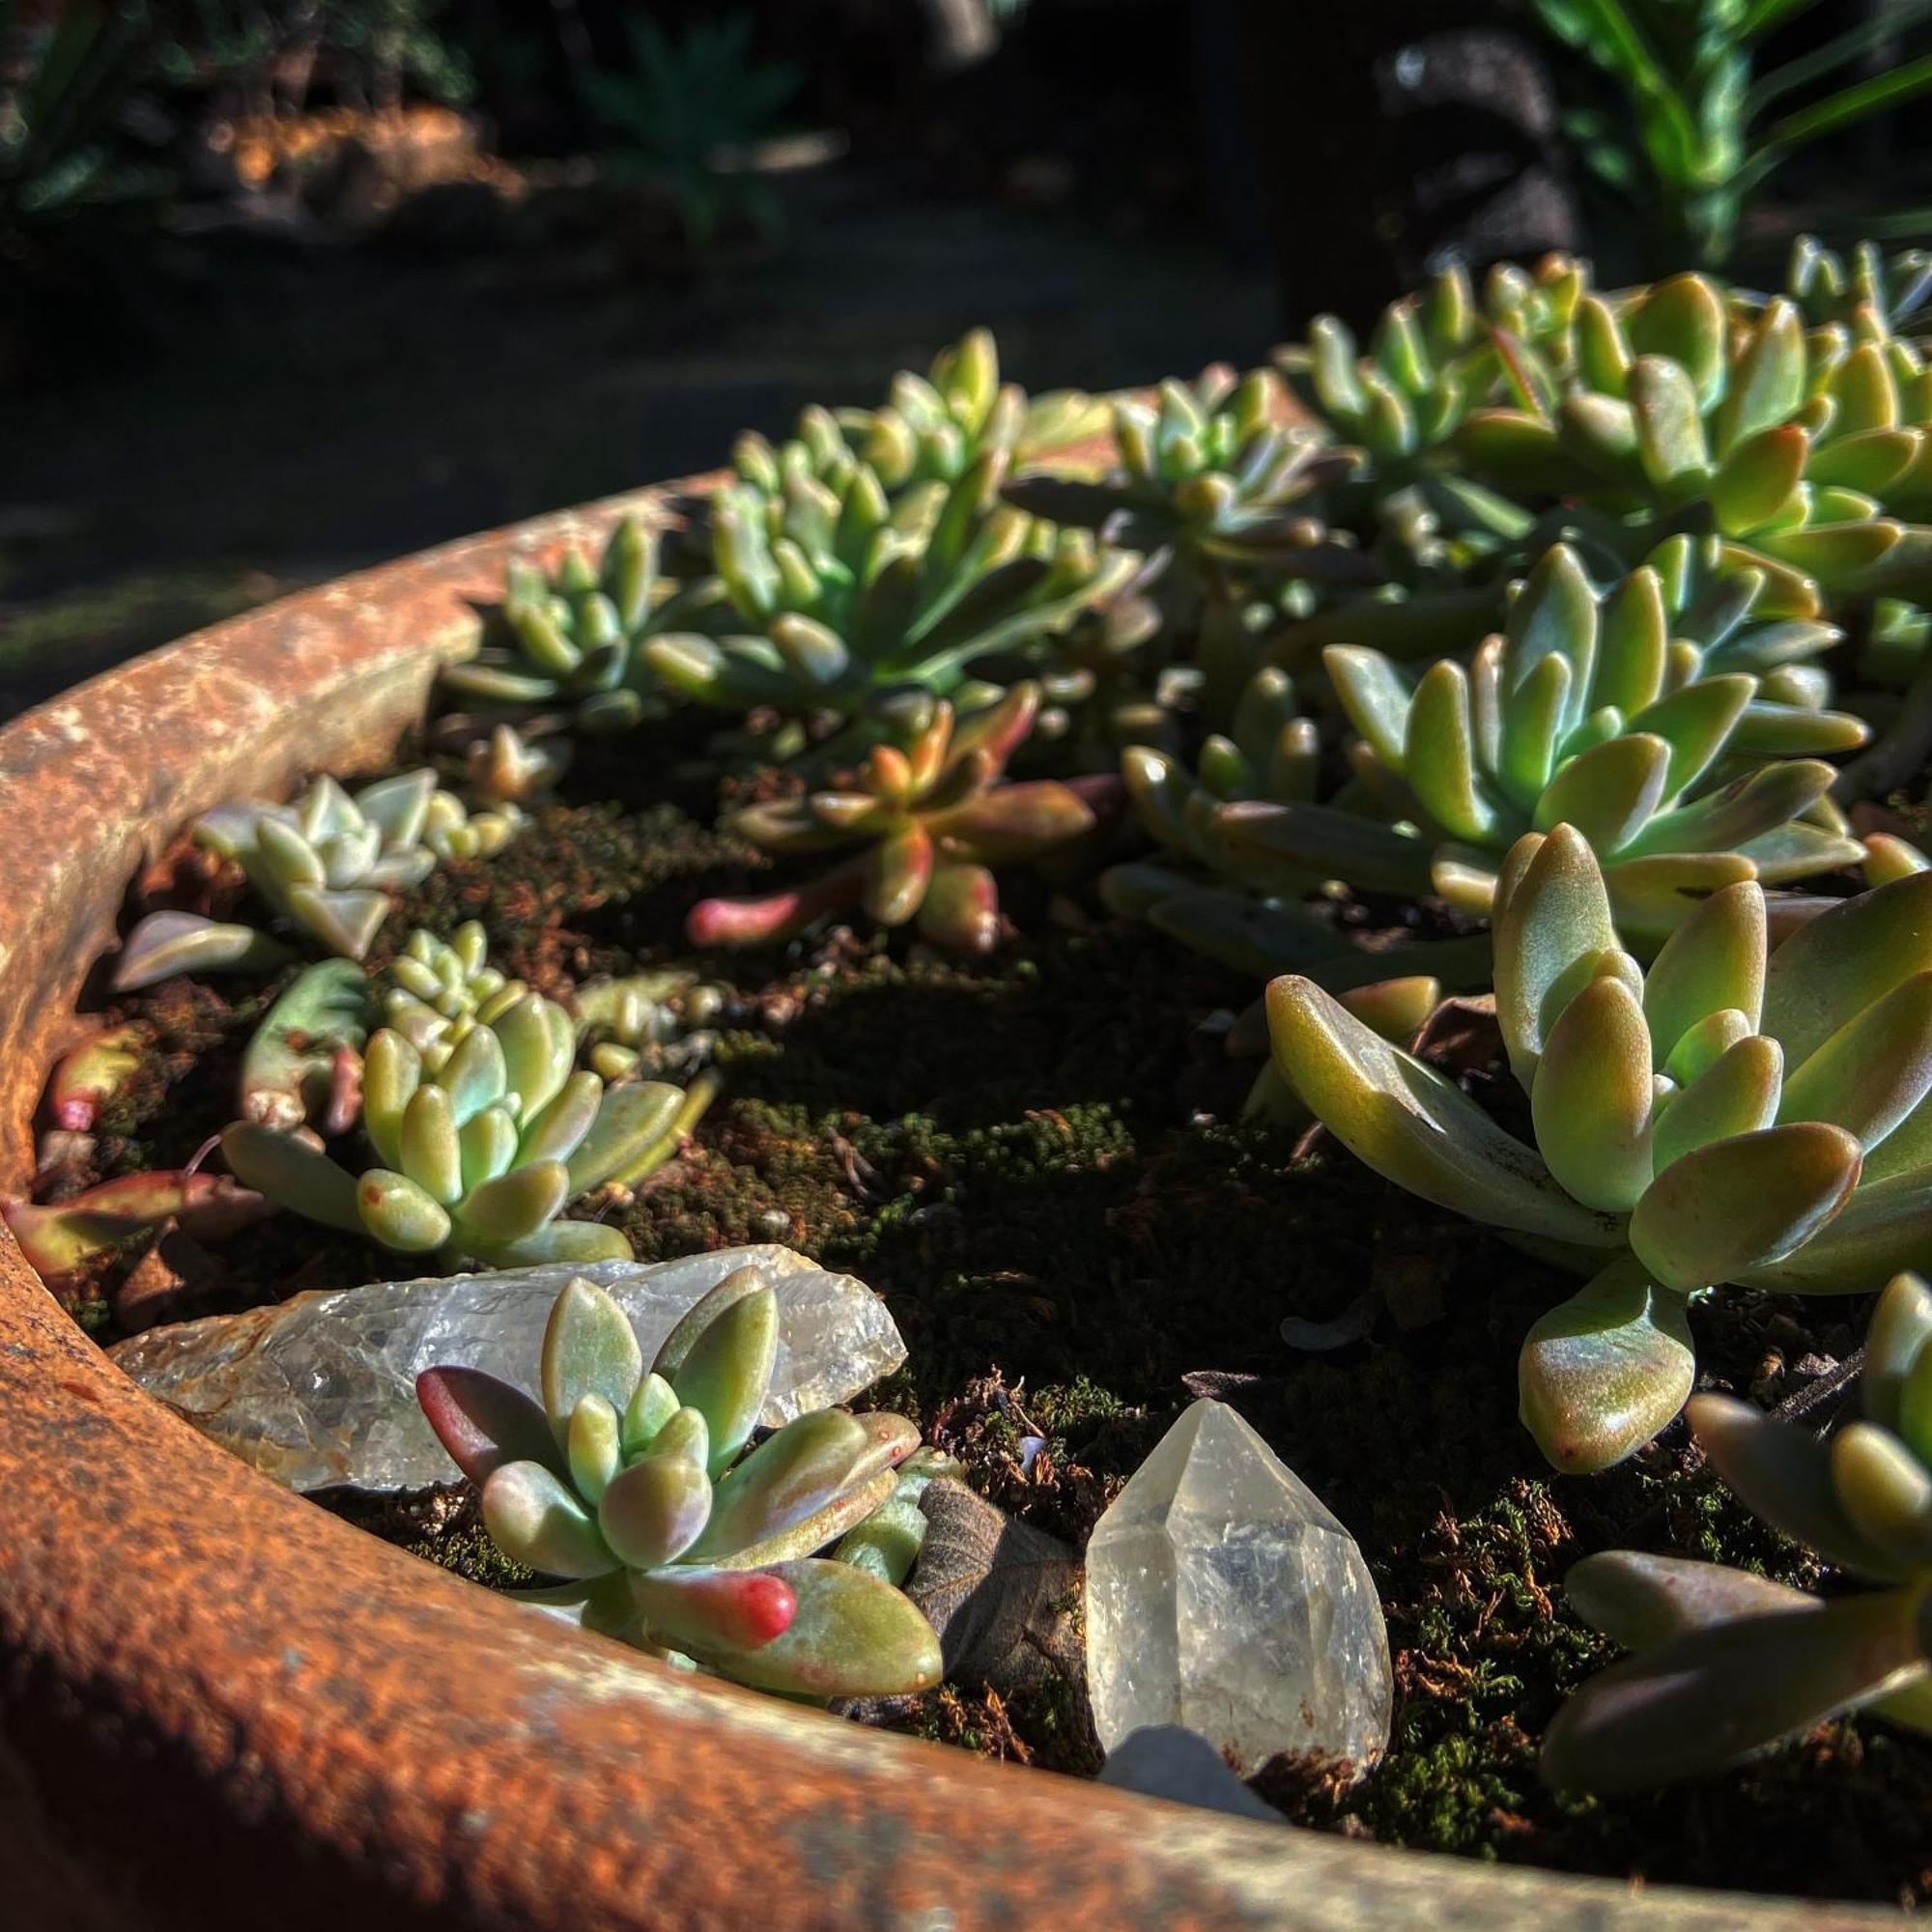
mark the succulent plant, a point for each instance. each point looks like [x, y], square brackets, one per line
[1434, 357]
[573, 641]
[483, 1133]
[61, 1239]
[1639, 716]
[930, 429]
[1213, 472]
[838, 592]
[646, 1020]
[1727, 1660]
[1752, 1109]
[644, 1489]
[92, 1072]
[305, 1059]
[1807, 451]
[511, 764]
[933, 820]
[326, 864]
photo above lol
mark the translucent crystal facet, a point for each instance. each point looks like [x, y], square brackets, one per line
[320, 1389]
[1223, 1596]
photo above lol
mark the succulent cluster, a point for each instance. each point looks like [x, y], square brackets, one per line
[573, 642]
[839, 593]
[484, 1133]
[1210, 472]
[1728, 1661]
[1806, 449]
[645, 1488]
[1748, 1109]
[326, 864]
[933, 820]
[930, 429]
[1637, 715]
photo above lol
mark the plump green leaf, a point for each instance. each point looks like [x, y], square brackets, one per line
[1715, 960]
[1737, 1093]
[727, 1370]
[1591, 1097]
[532, 1519]
[783, 1480]
[292, 1173]
[588, 1348]
[652, 1512]
[1895, 1346]
[715, 1613]
[1413, 1126]
[484, 1423]
[399, 1213]
[1715, 1695]
[1873, 1071]
[851, 1636]
[595, 1449]
[1603, 1372]
[1555, 915]
[1642, 1601]
[1838, 963]
[1734, 1204]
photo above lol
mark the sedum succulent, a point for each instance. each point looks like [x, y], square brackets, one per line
[838, 592]
[1752, 1109]
[1211, 472]
[573, 641]
[484, 1133]
[1727, 1660]
[643, 1488]
[305, 1059]
[933, 820]
[930, 429]
[326, 864]
[1639, 716]
[646, 1020]
[1805, 450]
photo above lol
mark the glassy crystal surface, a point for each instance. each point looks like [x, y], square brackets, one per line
[1223, 1596]
[320, 1389]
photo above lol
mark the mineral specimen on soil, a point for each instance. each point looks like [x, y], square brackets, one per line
[1221, 1595]
[320, 1389]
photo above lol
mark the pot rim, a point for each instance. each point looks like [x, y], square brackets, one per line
[209, 1682]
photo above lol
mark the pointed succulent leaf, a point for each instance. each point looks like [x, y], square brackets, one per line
[168, 943]
[649, 1408]
[1556, 914]
[484, 1423]
[783, 1480]
[1886, 1492]
[1897, 1342]
[1413, 1126]
[1782, 1473]
[862, 1497]
[1839, 963]
[1603, 1372]
[1715, 1695]
[715, 1613]
[534, 1519]
[1591, 1098]
[1885, 1227]
[1873, 1071]
[1736, 1093]
[291, 1173]
[1713, 961]
[727, 1370]
[1609, 793]
[630, 1118]
[1642, 1601]
[595, 1449]
[588, 1348]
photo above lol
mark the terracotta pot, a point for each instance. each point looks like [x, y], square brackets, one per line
[221, 1707]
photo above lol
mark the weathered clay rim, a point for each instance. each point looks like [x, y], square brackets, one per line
[220, 1707]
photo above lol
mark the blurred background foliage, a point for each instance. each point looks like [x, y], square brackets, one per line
[291, 285]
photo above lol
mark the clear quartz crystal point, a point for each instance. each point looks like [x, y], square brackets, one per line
[320, 1389]
[1223, 1596]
